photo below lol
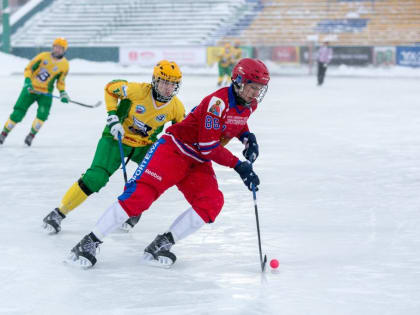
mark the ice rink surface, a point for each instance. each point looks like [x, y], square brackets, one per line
[339, 208]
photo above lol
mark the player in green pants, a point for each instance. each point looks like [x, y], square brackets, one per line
[40, 74]
[136, 111]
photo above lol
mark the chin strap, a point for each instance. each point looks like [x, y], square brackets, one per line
[239, 100]
[57, 56]
[159, 97]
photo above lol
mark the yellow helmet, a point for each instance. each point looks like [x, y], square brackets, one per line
[166, 71]
[61, 41]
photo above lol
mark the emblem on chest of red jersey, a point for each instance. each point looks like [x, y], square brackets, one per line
[216, 106]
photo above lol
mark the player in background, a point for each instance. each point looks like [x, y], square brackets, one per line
[40, 75]
[237, 53]
[138, 111]
[325, 55]
[183, 157]
[225, 64]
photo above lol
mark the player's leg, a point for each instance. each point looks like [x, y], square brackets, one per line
[228, 74]
[200, 188]
[24, 101]
[221, 74]
[105, 162]
[202, 191]
[324, 72]
[162, 168]
[225, 71]
[44, 107]
[137, 155]
[319, 73]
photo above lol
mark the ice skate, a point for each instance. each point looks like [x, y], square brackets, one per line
[3, 136]
[83, 255]
[52, 222]
[128, 225]
[158, 254]
[29, 138]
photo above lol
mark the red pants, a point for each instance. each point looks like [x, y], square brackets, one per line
[164, 166]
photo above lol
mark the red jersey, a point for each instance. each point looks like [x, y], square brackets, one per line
[217, 117]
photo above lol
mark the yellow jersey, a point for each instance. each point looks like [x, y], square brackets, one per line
[226, 57]
[237, 54]
[44, 70]
[141, 116]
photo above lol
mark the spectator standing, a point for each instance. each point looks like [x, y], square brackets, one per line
[325, 55]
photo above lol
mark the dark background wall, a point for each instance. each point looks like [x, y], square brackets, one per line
[88, 53]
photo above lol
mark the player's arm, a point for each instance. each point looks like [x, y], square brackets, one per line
[114, 91]
[29, 70]
[224, 141]
[330, 55]
[210, 131]
[33, 65]
[239, 53]
[61, 84]
[224, 57]
[251, 150]
[210, 147]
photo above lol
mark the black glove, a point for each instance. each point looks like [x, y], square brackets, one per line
[251, 148]
[244, 169]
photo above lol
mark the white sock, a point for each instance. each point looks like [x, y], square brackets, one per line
[112, 218]
[187, 223]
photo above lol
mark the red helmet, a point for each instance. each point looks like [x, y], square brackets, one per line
[250, 70]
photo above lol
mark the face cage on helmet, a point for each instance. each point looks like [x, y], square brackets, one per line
[160, 97]
[57, 55]
[260, 96]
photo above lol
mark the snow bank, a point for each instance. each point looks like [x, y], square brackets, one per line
[14, 65]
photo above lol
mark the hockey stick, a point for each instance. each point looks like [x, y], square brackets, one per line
[132, 221]
[70, 101]
[263, 262]
[122, 157]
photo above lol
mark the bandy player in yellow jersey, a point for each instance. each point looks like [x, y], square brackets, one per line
[225, 64]
[138, 111]
[40, 74]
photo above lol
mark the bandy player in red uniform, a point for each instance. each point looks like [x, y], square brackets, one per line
[183, 157]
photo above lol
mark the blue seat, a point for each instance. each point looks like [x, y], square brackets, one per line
[341, 25]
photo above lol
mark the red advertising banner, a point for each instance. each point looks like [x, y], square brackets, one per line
[285, 54]
[143, 56]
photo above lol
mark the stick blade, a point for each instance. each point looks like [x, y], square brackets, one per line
[263, 263]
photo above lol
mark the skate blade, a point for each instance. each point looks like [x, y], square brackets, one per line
[49, 229]
[161, 262]
[81, 262]
[125, 227]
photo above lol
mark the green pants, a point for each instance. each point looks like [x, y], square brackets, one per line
[225, 71]
[106, 161]
[25, 101]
